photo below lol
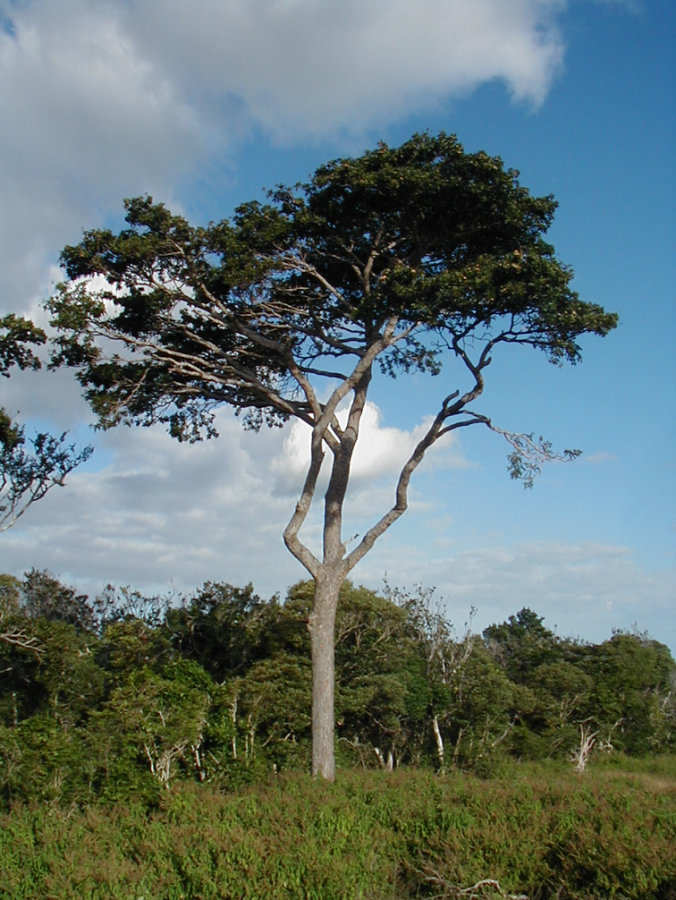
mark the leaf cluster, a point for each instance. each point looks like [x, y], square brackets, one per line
[28, 468]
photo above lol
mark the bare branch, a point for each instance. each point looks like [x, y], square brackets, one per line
[454, 891]
[529, 455]
[302, 553]
[401, 496]
[25, 477]
[19, 637]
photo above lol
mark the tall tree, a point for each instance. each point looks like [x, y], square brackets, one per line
[402, 258]
[27, 474]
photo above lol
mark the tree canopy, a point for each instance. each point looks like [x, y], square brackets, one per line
[404, 258]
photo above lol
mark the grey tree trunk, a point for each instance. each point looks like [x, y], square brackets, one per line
[322, 636]
[336, 563]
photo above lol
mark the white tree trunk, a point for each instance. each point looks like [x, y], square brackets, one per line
[440, 744]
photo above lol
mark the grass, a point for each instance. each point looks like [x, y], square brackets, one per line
[538, 830]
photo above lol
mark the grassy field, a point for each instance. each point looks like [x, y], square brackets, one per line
[537, 831]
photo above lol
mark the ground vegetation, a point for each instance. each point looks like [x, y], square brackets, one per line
[538, 832]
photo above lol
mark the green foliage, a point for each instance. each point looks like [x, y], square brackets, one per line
[16, 337]
[44, 597]
[377, 688]
[550, 726]
[125, 697]
[163, 717]
[129, 645]
[536, 832]
[10, 594]
[633, 682]
[522, 644]
[224, 628]
[26, 475]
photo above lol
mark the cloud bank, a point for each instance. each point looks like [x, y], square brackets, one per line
[160, 515]
[311, 67]
[159, 510]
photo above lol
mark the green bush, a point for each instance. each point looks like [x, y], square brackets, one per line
[539, 831]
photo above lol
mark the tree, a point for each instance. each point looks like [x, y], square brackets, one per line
[44, 597]
[522, 644]
[632, 678]
[382, 692]
[445, 657]
[401, 259]
[27, 475]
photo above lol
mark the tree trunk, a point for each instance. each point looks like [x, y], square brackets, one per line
[440, 744]
[322, 635]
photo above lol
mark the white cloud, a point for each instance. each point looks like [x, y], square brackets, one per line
[598, 458]
[100, 100]
[584, 589]
[381, 451]
[317, 66]
[86, 120]
[161, 514]
[158, 511]
[161, 511]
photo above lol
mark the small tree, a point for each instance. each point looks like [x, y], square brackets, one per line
[401, 258]
[27, 475]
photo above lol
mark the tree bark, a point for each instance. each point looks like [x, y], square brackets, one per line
[440, 744]
[322, 624]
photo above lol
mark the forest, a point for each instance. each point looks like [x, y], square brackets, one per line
[125, 696]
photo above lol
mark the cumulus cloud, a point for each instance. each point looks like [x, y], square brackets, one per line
[381, 451]
[86, 121]
[316, 66]
[101, 100]
[147, 509]
[158, 511]
[598, 458]
[157, 515]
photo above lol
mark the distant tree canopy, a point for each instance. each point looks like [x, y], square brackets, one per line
[400, 260]
[122, 696]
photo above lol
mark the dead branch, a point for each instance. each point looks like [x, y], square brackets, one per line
[455, 891]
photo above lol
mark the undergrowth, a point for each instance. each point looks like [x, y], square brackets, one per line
[538, 831]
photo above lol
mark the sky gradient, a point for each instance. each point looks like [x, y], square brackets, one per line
[203, 106]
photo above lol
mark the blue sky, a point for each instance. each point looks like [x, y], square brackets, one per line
[204, 110]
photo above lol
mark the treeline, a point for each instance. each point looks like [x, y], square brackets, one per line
[125, 696]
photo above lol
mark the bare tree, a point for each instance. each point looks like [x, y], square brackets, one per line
[579, 756]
